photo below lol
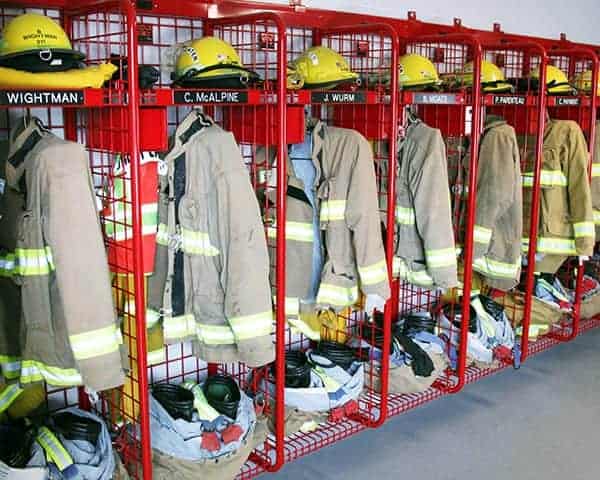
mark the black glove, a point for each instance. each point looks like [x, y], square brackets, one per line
[422, 365]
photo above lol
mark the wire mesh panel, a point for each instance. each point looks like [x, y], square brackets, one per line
[252, 114]
[98, 119]
[522, 108]
[449, 110]
[577, 106]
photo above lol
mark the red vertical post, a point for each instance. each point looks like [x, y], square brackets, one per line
[592, 132]
[535, 207]
[133, 105]
[469, 226]
[391, 305]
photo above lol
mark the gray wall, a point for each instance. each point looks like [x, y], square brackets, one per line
[579, 19]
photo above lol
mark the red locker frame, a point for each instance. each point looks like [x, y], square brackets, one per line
[517, 59]
[100, 29]
[448, 111]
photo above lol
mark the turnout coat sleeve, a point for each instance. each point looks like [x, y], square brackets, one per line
[495, 186]
[428, 185]
[72, 231]
[362, 217]
[245, 260]
[580, 198]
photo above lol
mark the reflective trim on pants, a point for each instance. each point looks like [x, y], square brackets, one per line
[441, 257]
[33, 261]
[55, 451]
[559, 246]
[420, 277]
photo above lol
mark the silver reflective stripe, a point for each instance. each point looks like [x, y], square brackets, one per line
[246, 327]
[215, 334]
[96, 343]
[373, 274]
[177, 328]
[596, 170]
[197, 243]
[482, 234]
[298, 231]
[548, 178]
[584, 229]
[561, 246]
[494, 268]
[419, 278]
[8, 396]
[55, 451]
[596, 218]
[34, 371]
[405, 216]
[440, 258]
[337, 296]
[333, 210]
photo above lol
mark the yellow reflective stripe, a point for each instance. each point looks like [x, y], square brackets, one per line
[333, 210]
[8, 264]
[11, 367]
[204, 409]
[420, 277]
[215, 334]
[482, 234]
[55, 451]
[583, 229]
[561, 246]
[157, 356]
[441, 257]
[497, 269]
[34, 371]
[596, 218]
[338, 296]
[197, 243]
[596, 170]
[33, 261]
[304, 328]
[177, 328]
[299, 231]
[246, 327]
[292, 305]
[405, 216]
[548, 178]
[373, 274]
[96, 343]
[119, 226]
[162, 236]
[8, 396]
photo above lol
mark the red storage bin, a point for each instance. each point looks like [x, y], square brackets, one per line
[108, 129]
[258, 124]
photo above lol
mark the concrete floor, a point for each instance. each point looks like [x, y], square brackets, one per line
[539, 423]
